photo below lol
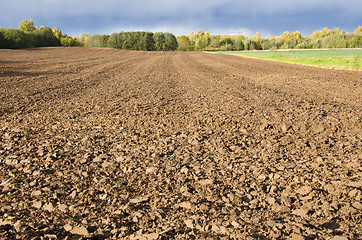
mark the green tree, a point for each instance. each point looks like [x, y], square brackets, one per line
[130, 42]
[97, 40]
[146, 41]
[226, 44]
[165, 41]
[355, 42]
[14, 38]
[159, 38]
[304, 44]
[170, 42]
[150, 42]
[114, 41]
[28, 36]
[238, 42]
[43, 37]
[317, 43]
[249, 44]
[215, 42]
[2, 39]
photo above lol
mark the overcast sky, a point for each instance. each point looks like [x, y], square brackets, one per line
[269, 17]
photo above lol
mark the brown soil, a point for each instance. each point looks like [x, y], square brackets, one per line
[104, 143]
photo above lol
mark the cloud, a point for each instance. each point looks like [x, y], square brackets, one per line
[221, 16]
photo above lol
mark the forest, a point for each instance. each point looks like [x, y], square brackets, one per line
[28, 36]
[142, 41]
[326, 38]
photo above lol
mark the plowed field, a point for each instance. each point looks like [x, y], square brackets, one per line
[105, 143]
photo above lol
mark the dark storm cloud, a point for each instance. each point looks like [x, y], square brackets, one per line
[180, 17]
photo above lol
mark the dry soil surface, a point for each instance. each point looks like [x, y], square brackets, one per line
[104, 143]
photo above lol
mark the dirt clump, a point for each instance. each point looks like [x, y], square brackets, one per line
[113, 144]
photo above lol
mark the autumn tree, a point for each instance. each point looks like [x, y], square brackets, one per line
[257, 40]
[57, 33]
[358, 29]
[200, 40]
[191, 38]
[184, 43]
[69, 42]
[26, 26]
[82, 38]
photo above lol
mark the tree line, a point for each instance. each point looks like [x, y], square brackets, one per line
[28, 36]
[142, 41]
[326, 38]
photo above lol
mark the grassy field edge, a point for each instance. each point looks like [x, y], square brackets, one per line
[342, 59]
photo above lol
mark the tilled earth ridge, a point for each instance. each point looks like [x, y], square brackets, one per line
[113, 144]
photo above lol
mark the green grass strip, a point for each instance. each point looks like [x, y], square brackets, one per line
[334, 58]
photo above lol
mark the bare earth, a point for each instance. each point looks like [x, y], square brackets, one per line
[105, 143]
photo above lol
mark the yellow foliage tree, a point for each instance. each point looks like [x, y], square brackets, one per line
[316, 35]
[27, 26]
[297, 35]
[358, 30]
[257, 39]
[184, 44]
